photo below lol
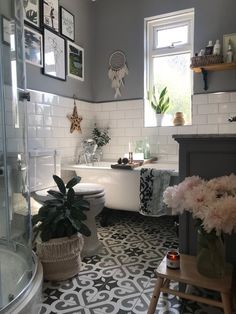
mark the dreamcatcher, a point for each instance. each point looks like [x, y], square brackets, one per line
[117, 71]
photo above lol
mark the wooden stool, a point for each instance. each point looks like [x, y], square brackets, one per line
[189, 275]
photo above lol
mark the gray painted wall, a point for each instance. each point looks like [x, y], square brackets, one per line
[120, 25]
[83, 11]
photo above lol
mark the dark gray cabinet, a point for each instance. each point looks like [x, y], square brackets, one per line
[208, 156]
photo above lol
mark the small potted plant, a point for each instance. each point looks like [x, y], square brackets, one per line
[101, 138]
[58, 228]
[160, 103]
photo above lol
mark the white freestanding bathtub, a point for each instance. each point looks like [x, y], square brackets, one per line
[121, 186]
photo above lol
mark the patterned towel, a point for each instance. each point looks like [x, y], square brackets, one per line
[153, 183]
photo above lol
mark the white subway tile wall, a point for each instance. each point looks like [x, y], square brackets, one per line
[49, 126]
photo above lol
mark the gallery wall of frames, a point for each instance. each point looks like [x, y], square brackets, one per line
[49, 32]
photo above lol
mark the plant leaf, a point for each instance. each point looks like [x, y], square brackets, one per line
[84, 230]
[73, 182]
[70, 196]
[56, 194]
[60, 184]
[77, 214]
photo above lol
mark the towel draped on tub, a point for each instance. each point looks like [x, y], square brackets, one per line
[153, 183]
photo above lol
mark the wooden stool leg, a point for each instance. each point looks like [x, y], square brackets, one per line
[155, 296]
[226, 303]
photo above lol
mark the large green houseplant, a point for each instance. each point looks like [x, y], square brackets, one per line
[159, 102]
[58, 229]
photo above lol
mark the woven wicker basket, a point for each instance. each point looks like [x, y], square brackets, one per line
[60, 257]
[205, 60]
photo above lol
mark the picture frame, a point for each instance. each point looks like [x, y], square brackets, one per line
[54, 55]
[6, 31]
[32, 12]
[33, 47]
[232, 39]
[75, 61]
[51, 14]
[67, 24]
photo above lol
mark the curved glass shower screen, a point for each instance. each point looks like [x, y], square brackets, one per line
[16, 263]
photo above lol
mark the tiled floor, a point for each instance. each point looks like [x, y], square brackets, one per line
[120, 279]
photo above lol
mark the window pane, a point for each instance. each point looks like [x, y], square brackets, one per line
[174, 72]
[171, 36]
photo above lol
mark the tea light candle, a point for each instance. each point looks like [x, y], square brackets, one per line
[173, 259]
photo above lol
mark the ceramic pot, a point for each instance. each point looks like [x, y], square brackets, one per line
[178, 119]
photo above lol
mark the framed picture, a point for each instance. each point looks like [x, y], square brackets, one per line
[32, 12]
[54, 55]
[229, 39]
[33, 47]
[75, 61]
[67, 24]
[6, 30]
[51, 14]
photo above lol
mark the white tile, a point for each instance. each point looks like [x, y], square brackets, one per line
[194, 110]
[208, 109]
[200, 119]
[117, 115]
[32, 131]
[36, 97]
[44, 132]
[30, 108]
[233, 97]
[43, 109]
[227, 108]
[117, 132]
[134, 114]
[47, 121]
[207, 129]
[35, 120]
[200, 99]
[149, 131]
[168, 149]
[58, 132]
[218, 118]
[35, 143]
[109, 106]
[218, 98]
[167, 130]
[102, 115]
[187, 129]
[124, 123]
[50, 99]
[228, 128]
[137, 123]
[132, 131]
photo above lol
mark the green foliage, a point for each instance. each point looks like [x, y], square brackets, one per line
[159, 104]
[63, 214]
[101, 137]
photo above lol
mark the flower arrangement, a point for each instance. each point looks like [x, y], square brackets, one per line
[212, 202]
[100, 137]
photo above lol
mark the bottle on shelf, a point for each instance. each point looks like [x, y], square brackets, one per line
[209, 48]
[229, 53]
[216, 49]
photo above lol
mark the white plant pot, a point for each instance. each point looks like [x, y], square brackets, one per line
[60, 257]
[159, 118]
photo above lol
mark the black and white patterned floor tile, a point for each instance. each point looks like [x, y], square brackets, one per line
[120, 278]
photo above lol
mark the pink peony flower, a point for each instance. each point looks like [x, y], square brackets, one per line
[213, 202]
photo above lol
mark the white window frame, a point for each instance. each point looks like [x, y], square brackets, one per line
[164, 21]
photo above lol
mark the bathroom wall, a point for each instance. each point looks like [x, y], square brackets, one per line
[49, 127]
[125, 22]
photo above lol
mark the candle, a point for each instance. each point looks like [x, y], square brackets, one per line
[173, 259]
[130, 147]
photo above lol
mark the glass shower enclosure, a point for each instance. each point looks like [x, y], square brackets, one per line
[17, 263]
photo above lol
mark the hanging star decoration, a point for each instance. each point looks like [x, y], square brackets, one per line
[75, 119]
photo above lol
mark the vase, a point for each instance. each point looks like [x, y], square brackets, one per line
[210, 254]
[159, 118]
[178, 119]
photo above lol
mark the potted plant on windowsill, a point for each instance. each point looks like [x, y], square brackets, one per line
[58, 228]
[159, 103]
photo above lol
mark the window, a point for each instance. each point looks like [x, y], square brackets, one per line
[169, 47]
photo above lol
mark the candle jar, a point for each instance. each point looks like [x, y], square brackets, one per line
[173, 259]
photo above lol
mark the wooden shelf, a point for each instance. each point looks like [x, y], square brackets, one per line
[212, 67]
[215, 67]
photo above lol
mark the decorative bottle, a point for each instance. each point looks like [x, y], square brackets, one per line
[146, 149]
[229, 54]
[216, 49]
[209, 48]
